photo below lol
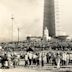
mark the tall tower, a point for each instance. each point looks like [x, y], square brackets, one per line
[49, 17]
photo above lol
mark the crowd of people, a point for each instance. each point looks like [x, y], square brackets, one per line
[38, 44]
[35, 58]
[58, 55]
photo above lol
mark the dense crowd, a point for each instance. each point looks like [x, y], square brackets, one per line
[58, 56]
[35, 58]
[39, 44]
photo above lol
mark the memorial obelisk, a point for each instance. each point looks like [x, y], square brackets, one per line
[49, 17]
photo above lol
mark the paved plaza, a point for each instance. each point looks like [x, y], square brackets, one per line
[37, 69]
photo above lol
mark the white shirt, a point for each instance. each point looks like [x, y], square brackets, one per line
[34, 56]
[26, 57]
[30, 55]
[64, 56]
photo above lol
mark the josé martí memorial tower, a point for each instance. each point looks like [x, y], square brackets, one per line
[49, 18]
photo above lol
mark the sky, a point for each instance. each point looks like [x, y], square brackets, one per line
[28, 17]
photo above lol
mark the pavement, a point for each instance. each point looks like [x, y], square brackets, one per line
[38, 69]
[22, 70]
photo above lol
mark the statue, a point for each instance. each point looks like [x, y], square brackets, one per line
[46, 34]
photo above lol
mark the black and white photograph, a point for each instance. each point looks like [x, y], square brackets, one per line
[35, 36]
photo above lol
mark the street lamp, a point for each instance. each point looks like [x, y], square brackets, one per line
[18, 34]
[12, 18]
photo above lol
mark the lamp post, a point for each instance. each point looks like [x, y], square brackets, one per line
[18, 34]
[12, 18]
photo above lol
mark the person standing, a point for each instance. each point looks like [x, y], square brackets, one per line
[64, 58]
[58, 60]
[50, 56]
[42, 61]
[38, 61]
[47, 58]
[30, 57]
[34, 59]
[26, 59]
[14, 60]
[6, 61]
[67, 59]
[2, 62]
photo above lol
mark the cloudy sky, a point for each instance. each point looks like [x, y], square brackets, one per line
[28, 16]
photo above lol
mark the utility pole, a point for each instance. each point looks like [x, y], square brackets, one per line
[18, 34]
[12, 18]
